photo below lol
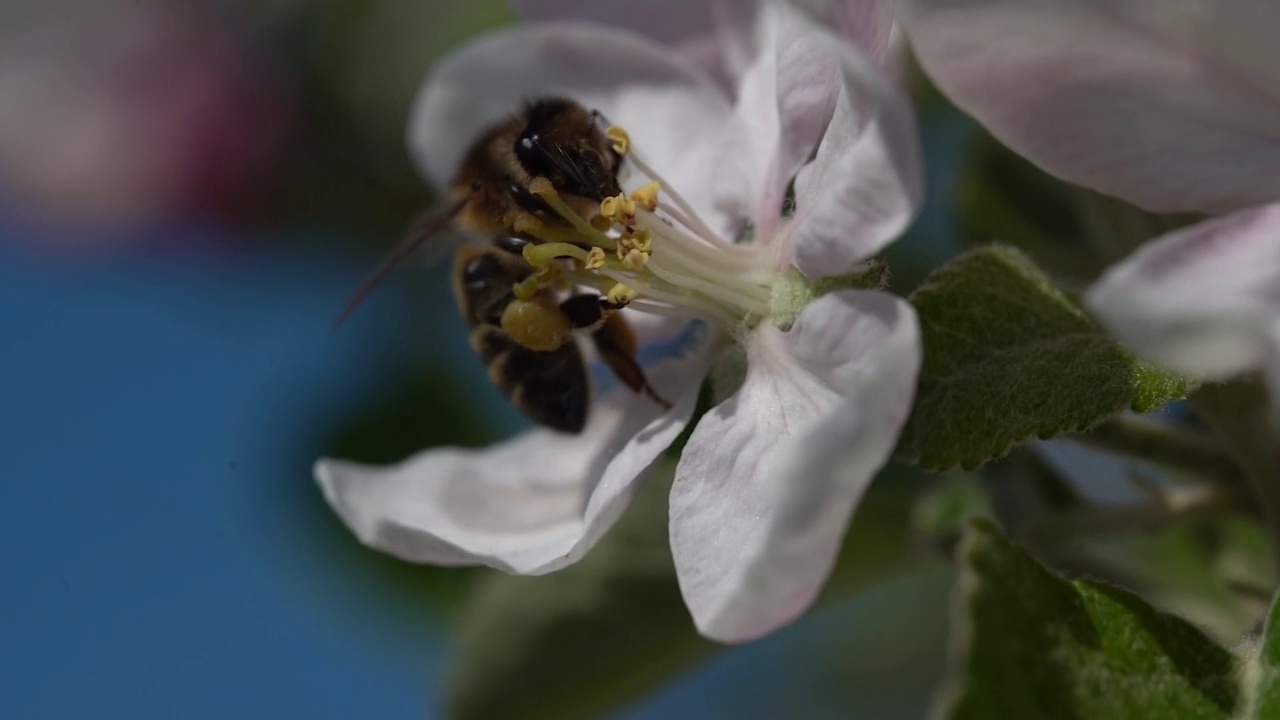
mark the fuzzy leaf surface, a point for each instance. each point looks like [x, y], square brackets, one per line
[1029, 644]
[1009, 356]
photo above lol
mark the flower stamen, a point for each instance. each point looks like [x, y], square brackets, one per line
[543, 188]
[620, 294]
[543, 254]
[646, 196]
[621, 139]
[660, 253]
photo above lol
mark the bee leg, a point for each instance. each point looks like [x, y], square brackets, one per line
[613, 338]
[585, 312]
[617, 346]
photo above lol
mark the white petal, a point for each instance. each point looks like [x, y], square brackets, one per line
[770, 477]
[530, 505]
[669, 108]
[712, 34]
[784, 103]
[865, 185]
[1170, 104]
[868, 23]
[1204, 300]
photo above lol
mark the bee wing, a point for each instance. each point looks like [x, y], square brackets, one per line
[428, 224]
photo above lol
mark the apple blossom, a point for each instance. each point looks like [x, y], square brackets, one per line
[770, 476]
[1173, 105]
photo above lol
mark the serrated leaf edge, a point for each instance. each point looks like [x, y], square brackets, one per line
[1014, 257]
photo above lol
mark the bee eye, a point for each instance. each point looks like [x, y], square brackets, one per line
[480, 271]
[512, 244]
[533, 156]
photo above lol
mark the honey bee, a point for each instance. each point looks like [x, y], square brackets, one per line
[524, 334]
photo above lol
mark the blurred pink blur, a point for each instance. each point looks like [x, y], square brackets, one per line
[119, 116]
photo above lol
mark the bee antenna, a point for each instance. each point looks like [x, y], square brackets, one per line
[423, 228]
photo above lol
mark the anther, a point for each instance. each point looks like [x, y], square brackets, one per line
[524, 223]
[621, 139]
[619, 295]
[635, 259]
[619, 208]
[646, 196]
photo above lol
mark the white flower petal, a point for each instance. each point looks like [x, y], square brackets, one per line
[1170, 104]
[669, 108]
[865, 185]
[712, 34]
[769, 478]
[655, 330]
[1203, 300]
[868, 23]
[530, 505]
[785, 101]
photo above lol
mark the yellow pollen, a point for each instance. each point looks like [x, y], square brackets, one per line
[595, 259]
[643, 239]
[609, 208]
[621, 139]
[646, 196]
[542, 187]
[523, 222]
[536, 324]
[635, 259]
[620, 294]
[634, 248]
[619, 208]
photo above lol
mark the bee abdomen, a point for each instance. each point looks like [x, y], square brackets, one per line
[551, 388]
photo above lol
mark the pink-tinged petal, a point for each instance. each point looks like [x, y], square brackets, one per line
[768, 481]
[1204, 300]
[669, 108]
[1171, 104]
[868, 23]
[530, 505]
[866, 182]
[651, 329]
[785, 101]
[712, 34]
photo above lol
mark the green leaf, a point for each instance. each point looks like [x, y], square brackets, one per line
[1007, 357]
[595, 636]
[584, 639]
[1263, 672]
[1211, 572]
[1027, 644]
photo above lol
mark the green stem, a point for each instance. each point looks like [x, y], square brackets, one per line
[1165, 446]
[1174, 506]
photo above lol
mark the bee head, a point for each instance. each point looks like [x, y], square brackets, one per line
[562, 142]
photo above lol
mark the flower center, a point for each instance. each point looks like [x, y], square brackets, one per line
[649, 250]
